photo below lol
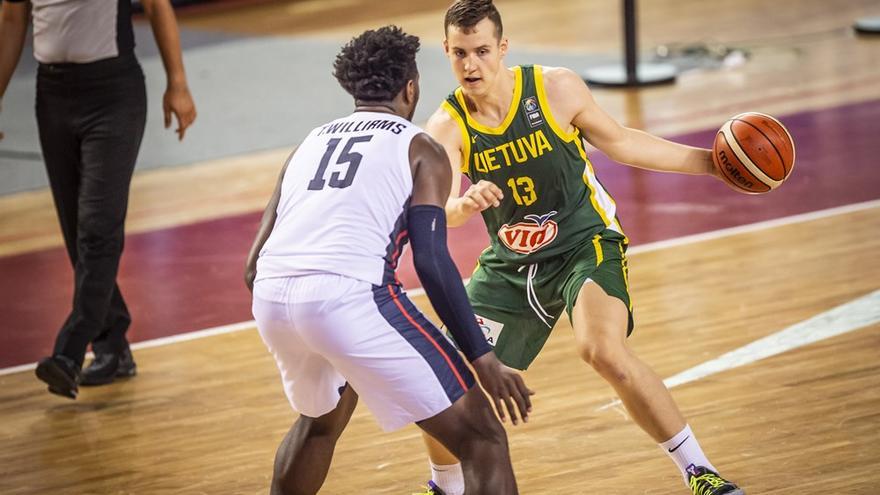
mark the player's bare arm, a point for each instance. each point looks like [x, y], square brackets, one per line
[432, 177]
[479, 196]
[13, 29]
[266, 224]
[573, 105]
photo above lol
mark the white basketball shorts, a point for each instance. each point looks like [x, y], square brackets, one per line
[325, 330]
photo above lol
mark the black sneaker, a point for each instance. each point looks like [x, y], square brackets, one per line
[704, 481]
[108, 366]
[61, 374]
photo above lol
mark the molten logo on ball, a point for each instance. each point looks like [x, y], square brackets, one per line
[734, 173]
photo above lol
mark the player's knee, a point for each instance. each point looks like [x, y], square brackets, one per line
[329, 427]
[488, 438]
[607, 357]
[494, 433]
[491, 430]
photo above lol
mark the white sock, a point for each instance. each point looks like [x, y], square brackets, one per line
[448, 477]
[685, 451]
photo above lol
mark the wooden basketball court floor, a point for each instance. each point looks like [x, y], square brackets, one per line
[763, 312]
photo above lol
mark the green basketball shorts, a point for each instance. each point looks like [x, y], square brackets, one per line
[518, 305]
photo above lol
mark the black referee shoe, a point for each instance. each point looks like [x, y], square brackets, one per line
[61, 374]
[107, 367]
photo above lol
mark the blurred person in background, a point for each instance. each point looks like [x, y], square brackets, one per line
[91, 111]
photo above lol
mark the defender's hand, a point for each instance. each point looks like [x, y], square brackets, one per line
[504, 384]
[480, 196]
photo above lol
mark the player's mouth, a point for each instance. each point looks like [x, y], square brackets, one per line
[472, 81]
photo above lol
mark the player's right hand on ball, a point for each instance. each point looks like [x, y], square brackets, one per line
[481, 196]
[505, 387]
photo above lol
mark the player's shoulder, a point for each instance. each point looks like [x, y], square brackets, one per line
[427, 158]
[441, 118]
[423, 144]
[443, 126]
[558, 79]
[566, 92]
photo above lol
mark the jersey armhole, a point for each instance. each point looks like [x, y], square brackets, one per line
[465, 138]
[404, 153]
[545, 105]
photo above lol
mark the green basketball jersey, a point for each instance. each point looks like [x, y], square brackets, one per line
[553, 202]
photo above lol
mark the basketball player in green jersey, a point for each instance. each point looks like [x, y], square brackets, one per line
[517, 133]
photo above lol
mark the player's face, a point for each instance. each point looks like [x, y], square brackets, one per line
[475, 55]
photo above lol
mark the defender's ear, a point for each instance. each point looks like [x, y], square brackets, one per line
[411, 90]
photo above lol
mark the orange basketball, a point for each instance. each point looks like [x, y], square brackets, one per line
[754, 152]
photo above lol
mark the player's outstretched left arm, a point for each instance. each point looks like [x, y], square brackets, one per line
[426, 224]
[573, 105]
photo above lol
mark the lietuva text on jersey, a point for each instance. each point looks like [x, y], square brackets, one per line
[362, 125]
[516, 151]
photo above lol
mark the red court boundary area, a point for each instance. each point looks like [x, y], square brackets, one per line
[190, 277]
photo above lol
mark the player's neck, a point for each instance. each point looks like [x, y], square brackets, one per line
[361, 106]
[495, 103]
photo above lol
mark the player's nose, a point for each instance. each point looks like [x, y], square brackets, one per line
[470, 62]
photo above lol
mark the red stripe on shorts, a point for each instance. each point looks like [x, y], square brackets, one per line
[427, 336]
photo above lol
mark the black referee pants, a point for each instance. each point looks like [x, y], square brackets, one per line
[91, 120]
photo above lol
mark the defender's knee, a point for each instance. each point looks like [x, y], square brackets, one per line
[330, 428]
[485, 437]
[334, 422]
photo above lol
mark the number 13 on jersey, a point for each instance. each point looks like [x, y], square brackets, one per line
[523, 189]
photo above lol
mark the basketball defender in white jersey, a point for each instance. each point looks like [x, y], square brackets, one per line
[326, 299]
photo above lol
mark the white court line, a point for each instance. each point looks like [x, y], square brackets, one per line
[742, 229]
[653, 246]
[754, 227]
[172, 339]
[860, 313]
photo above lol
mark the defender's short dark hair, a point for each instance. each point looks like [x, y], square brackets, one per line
[376, 65]
[465, 14]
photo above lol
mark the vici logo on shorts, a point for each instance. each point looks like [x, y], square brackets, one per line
[528, 237]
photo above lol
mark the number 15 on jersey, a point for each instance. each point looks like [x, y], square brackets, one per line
[340, 178]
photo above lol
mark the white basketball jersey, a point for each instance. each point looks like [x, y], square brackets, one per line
[343, 201]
